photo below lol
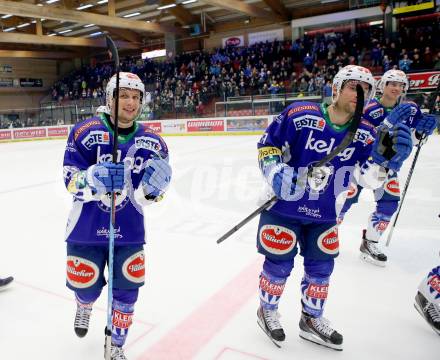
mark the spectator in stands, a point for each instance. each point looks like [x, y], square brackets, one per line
[405, 63]
[417, 62]
[437, 62]
[387, 64]
[376, 55]
[327, 92]
[428, 59]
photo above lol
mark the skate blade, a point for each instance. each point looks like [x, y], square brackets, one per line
[276, 343]
[420, 311]
[317, 340]
[369, 259]
[5, 287]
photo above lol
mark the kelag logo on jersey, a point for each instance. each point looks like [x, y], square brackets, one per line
[148, 143]
[364, 137]
[96, 137]
[321, 146]
[309, 121]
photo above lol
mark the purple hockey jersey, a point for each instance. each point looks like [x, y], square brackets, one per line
[301, 136]
[90, 142]
[375, 113]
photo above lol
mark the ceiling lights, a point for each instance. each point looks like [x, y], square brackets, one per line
[132, 14]
[163, 7]
[86, 6]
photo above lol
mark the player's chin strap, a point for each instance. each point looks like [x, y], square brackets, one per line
[314, 170]
[413, 165]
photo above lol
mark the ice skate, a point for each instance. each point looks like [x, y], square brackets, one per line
[371, 253]
[82, 318]
[319, 331]
[116, 353]
[6, 282]
[269, 323]
[429, 311]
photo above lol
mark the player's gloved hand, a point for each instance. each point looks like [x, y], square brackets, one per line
[392, 147]
[283, 179]
[157, 177]
[105, 177]
[400, 114]
[426, 124]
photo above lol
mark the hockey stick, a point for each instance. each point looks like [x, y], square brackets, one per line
[411, 169]
[344, 143]
[113, 52]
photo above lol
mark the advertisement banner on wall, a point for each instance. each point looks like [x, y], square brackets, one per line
[233, 41]
[156, 126]
[5, 69]
[247, 124]
[174, 127]
[61, 131]
[29, 133]
[263, 36]
[5, 134]
[422, 80]
[6, 82]
[205, 125]
[28, 82]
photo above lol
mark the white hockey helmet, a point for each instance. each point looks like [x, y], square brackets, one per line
[353, 72]
[393, 75]
[102, 109]
[128, 81]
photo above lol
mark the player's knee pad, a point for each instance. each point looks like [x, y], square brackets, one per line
[314, 285]
[121, 321]
[126, 296]
[430, 286]
[85, 266]
[278, 268]
[387, 208]
[276, 237]
[377, 224]
[87, 296]
[272, 281]
[83, 274]
[319, 268]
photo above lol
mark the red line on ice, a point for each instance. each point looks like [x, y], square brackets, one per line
[194, 332]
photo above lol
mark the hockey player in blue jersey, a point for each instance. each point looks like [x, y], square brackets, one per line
[305, 213]
[141, 176]
[427, 301]
[393, 86]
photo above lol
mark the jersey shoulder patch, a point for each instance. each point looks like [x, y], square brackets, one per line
[301, 107]
[306, 115]
[80, 128]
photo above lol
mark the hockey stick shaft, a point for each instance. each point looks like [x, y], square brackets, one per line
[344, 143]
[108, 331]
[411, 170]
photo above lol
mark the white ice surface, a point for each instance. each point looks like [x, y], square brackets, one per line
[216, 183]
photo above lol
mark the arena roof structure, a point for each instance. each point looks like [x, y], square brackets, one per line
[60, 28]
